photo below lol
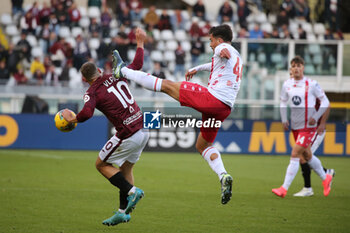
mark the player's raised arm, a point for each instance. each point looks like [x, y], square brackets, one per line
[140, 37]
[137, 63]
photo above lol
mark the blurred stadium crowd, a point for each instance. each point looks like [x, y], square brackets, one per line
[46, 44]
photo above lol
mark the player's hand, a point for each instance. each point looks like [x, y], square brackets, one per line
[312, 121]
[285, 125]
[140, 37]
[321, 128]
[225, 53]
[67, 115]
[189, 74]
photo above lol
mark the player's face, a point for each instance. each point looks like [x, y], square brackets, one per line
[297, 70]
[213, 42]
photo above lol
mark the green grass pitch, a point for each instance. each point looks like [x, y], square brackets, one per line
[61, 191]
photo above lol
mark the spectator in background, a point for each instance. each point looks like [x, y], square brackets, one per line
[121, 43]
[282, 19]
[94, 26]
[332, 15]
[107, 68]
[106, 19]
[180, 56]
[132, 37]
[35, 12]
[197, 48]
[81, 52]
[37, 69]
[74, 15]
[199, 10]
[286, 33]
[255, 33]
[328, 34]
[125, 18]
[164, 21]
[65, 75]
[151, 18]
[44, 14]
[103, 52]
[195, 30]
[157, 70]
[51, 78]
[242, 33]
[24, 47]
[17, 7]
[58, 52]
[96, 3]
[288, 6]
[205, 29]
[121, 6]
[225, 13]
[53, 22]
[135, 10]
[302, 34]
[242, 13]
[20, 77]
[150, 45]
[302, 10]
[28, 23]
[178, 21]
[61, 15]
[4, 55]
[13, 58]
[4, 72]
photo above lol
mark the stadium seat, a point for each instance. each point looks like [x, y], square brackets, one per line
[6, 19]
[83, 11]
[94, 12]
[64, 32]
[113, 23]
[267, 27]
[262, 58]
[37, 52]
[319, 29]
[32, 40]
[161, 45]
[307, 27]
[317, 60]
[167, 35]
[272, 18]
[15, 39]
[261, 18]
[293, 27]
[71, 41]
[180, 35]
[185, 15]
[157, 55]
[169, 56]
[84, 22]
[314, 49]
[171, 45]
[77, 31]
[156, 34]
[12, 30]
[186, 45]
[309, 69]
[250, 18]
[94, 43]
[311, 37]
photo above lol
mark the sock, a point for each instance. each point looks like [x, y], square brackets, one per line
[216, 165]
[123, 202]
[291, 172]
[119, 181]
[306, 171]
[325, 169]
[148, 81]
[316, 164]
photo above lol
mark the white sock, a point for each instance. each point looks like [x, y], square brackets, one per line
[148, 81]
[132, 190]
[216, 165]
[121, 211]
[291, 172]
[316, 164]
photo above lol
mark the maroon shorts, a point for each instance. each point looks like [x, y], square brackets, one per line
[198, 97]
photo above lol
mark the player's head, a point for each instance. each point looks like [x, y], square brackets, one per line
[297, 67]
[89, 71]
[220, 34]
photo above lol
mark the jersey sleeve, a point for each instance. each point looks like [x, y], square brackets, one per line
[89, 107]
[317, 90]
[284, 94]
[137, 63]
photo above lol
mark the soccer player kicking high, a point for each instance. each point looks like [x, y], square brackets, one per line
[216, 101]
[302, 93]
[112, 97]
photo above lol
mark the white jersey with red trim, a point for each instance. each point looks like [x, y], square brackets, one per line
[301, 96]
[225, 75]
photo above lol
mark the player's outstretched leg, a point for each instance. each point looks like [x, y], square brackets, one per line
[117, 218]
[226, 188]
[133, 198]
[118, 64]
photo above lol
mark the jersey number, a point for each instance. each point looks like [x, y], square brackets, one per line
[237, 71]
[121, 95]
[301, 139]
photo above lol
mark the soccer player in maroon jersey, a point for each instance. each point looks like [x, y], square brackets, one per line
[113, 98]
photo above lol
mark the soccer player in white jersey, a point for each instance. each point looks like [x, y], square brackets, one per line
[301, 94]
[215, 101]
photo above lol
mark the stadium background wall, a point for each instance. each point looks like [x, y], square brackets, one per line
[37, 131]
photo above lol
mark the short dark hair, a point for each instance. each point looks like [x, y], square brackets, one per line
[297, 60]
[222, 31]
[89, 71]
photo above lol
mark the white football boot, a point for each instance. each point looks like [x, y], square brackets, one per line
[305, 192]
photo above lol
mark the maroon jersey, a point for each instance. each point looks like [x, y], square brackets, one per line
[113, 98]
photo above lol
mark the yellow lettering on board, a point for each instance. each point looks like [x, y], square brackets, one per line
[260, 135]
[348, 139]
[11, 128]
[330, 145]
[291, 139]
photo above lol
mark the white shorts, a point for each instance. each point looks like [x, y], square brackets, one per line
[117, 151]
[317, 141]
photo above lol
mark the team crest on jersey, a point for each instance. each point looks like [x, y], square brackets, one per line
[86, 98]
[296, 100]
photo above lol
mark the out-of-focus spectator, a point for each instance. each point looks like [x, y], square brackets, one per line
[54, 23]
[135, 10]
[164, 21]
[81, 52]
[121, 43]
[258, 4]
[37, 69]
[58, 52]
[94, 26]
[51, 77]
[28, 23]
[178, 21]
[242, 33]
[242, 13]
[205, 29]
[13, 58]
[3, 53]
[255, 33]
[328, 34]
[199, 10]
[20, 76]
[197, 48]
[24, 47]
[288, 6]
[282, 19]
[302, 33]
[286, 34]
[332, 14]
[44, 35]
[302, 10]
[17, 7]
[125, 17]
[121, 6]
[195, 30]
[151, 18]
[96, 3]
[4, 72]
[74, 15]
[103, 52]
[61, 15]
[157, 70]
[47, 63]
[225, 13]
[64, 77]
[180, 56]
[106, 19]
[150, 45]
[44, 14]
[132, 37]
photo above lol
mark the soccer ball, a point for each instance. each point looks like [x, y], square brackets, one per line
[62, 124]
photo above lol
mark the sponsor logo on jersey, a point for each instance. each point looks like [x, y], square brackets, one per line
[296, 100]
